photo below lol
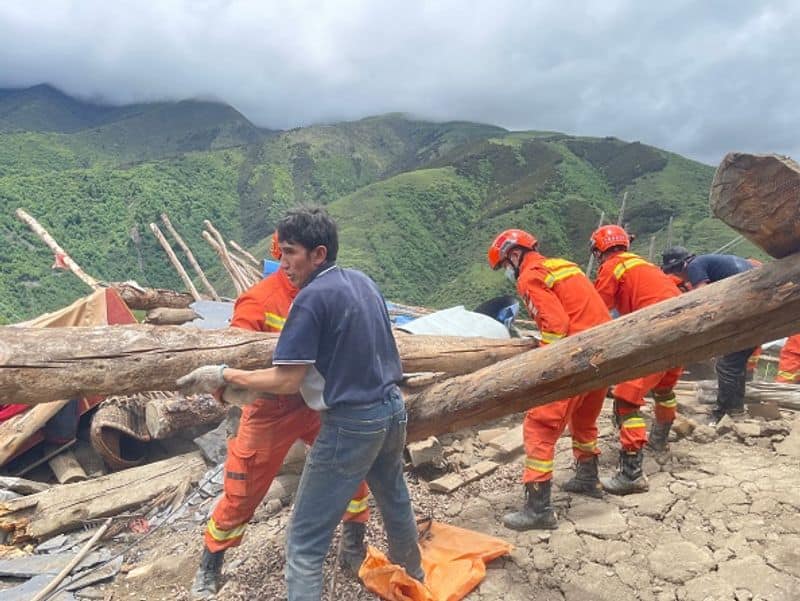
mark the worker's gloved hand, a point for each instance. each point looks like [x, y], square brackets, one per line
[207, 379]
[234, 395]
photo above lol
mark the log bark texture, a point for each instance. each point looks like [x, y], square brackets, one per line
[164, 417]
[66, 507]
[145, 299]
[738, 312]
[39, 365]
[759, 197]
[168, 316]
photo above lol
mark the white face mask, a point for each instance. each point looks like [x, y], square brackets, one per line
[511, 274]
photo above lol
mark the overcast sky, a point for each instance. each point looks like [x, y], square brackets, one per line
[699, 78]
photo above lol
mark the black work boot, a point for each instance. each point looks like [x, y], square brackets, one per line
[208, 578]
[630, 478]
[537, 514]
[585, 480]
[352, 549]
[657, 438]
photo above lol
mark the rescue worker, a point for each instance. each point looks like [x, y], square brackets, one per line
[267, 429]
[627, 282]
[337, 347]
[562, 301]
[699, 271]
[789, 361]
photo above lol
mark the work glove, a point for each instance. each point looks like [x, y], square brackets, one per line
[203, 380]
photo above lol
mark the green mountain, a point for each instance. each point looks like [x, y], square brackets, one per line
[417, 202]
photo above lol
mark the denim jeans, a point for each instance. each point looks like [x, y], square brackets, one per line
[355, 443]
[731, 379]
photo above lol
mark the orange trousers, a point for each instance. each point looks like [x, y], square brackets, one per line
[267, 430]
[629, 396]
[544, 425]
[789, 361]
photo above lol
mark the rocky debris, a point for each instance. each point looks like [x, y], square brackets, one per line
[597, 518]
[486, 436]
[704, 434]
[509, 443]
[454, 481]
[747, 429]
[21, 486]
[426, 452]
[680, 561]
[790, 446]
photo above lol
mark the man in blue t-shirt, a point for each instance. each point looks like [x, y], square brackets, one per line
[699, 271]
[338, 350]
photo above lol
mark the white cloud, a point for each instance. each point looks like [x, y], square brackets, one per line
[699, 78]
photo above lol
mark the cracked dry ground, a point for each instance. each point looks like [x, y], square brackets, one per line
[721, 522]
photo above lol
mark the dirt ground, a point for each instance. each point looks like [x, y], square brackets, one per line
[721, 522]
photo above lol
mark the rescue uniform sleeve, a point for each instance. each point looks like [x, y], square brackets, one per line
[299, 340]
[545, 308]
[606, 285]
[248, 314]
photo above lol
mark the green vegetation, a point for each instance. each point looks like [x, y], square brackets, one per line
[417, 202]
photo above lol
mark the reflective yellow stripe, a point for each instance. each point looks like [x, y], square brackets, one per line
[588, 447]
[220, 535]
[357, 505]
[274, 321]
[667, 401]
[634, 422]
[559, 269]
[789, 375]
[550, 337]
[538, 465]
[629, 261]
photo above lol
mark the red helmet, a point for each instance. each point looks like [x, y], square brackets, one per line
[498, 250]
[609, 236]
[275, 250]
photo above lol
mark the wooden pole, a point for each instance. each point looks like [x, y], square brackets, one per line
[669, 231]
[759, 197]
[145, 299]
[245, 268]
[175, 262]
[45, 237]
[232, 271]
[590, 264]
[621, 215]
[652, 250]
[189, 257]
[38, 365]
[250, 257]
[226, 257]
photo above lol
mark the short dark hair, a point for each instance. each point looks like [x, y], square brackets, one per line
[310, 227]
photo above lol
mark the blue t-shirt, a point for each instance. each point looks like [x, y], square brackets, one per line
[713, 268]
[339, 326]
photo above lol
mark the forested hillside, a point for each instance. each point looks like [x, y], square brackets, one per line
[417, 202]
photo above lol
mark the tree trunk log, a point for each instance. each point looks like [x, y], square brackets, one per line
[39, 365]
[189, 257]
[145, 299]
[738, 312]
[66, 468]
[165, 417]
[187, 281]
[759, 197]
[65, 507]
[167, 316]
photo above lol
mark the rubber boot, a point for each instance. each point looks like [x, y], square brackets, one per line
[208, 578]
[630, 478]
[352, 549]
[658, 436]
[585, 480]
[537, 514]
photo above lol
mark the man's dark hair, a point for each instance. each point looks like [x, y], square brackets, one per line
[310, 227]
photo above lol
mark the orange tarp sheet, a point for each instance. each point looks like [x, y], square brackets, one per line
[454, 561]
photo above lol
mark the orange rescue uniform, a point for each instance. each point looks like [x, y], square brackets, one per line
[562, 301]
[627, 282]
[267, 429]
[789, 361]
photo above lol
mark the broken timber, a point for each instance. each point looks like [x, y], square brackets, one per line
[759, 197]
[166, 416]
[145, 299]
[38, 365]
[65, 507]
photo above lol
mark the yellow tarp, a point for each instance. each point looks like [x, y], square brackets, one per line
[454, 561]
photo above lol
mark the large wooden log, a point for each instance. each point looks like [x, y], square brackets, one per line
[166, 416]
[65, 507]
[145, 299]
[759, 197]
[736, 313]
[167, 316]
[37, 365]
